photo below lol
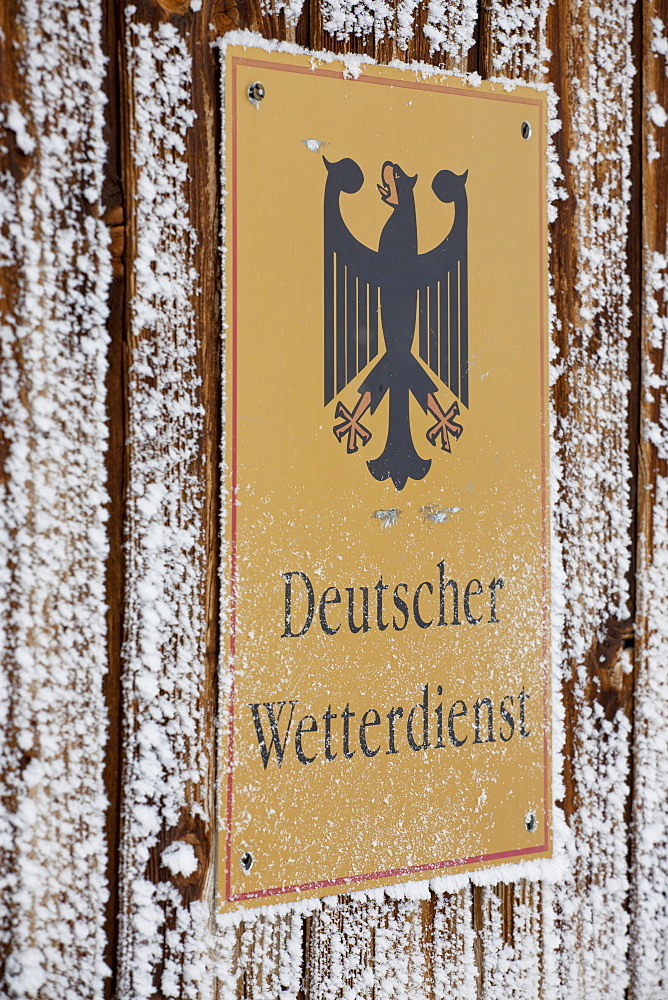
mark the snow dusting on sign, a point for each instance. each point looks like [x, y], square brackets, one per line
[372, 943]
[53, 546]
[165, 645]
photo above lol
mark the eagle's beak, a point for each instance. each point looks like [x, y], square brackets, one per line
[388, 188]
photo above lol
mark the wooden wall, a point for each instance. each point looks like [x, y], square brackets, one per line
[111, 341]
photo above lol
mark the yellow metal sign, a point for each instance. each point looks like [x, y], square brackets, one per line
[386, 678]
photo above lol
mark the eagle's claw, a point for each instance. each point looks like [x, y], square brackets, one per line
[445, 423]
[350, 425]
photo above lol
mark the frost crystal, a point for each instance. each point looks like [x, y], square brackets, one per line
[53, 344]
[165, 557]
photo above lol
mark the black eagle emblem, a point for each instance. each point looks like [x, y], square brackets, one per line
[367, 291]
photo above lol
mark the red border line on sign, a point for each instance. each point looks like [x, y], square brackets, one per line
[433, 88]
[390, 873]
[233, 513]
[542, 180]
[437, 865]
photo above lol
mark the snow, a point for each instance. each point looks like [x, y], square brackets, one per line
[291, 9]
[649, 877]
[589, 908]
[180, 858]
[53, 344]
[449, 26]
[655, 113]
[570, 922]
[18, 124]
[519, 34]
[659, 43]
[165, 767]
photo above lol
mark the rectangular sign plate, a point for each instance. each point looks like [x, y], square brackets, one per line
[386, 680]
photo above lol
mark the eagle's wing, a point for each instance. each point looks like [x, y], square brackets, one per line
[351, 287]
[442, 284]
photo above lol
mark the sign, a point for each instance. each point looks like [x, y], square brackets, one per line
[386, 680]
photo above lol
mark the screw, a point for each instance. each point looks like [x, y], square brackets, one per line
[530, 822]
[526, 130]
[256, 92]
[246, 861]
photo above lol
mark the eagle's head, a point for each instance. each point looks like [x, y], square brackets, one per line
[395, 184]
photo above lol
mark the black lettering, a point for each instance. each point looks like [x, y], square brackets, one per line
[455, 598]
[490, 721]
[327, 718]
[323, 614]
[301, 728]
[400, 605]
[288, 604]
[451, 723]
[424, 708]
[379, 588]
[365, 610]
[438, 711]
[507, 717]
[363, 727]
[523, 699]
[468, 593]
[416, 605]
[394, 713]
[273, 725]
[347, 715]
[494, 585]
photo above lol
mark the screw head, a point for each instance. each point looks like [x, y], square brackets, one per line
[526, 130]
[530, 821]
[246, 861]
[256, 92]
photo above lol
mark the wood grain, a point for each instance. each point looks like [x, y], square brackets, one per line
[54, 281]
[485, 942]
[648, 950]
[183, 324]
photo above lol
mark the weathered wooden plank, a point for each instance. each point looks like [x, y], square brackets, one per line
[592, 68]
[513, 40]
[456, 955]
[114, 218]
[54, 281]
[170, 174]
[649, 871]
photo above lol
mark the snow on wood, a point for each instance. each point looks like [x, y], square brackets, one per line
[649, 874]
[54, 253]
[511, 948]
[592, 392]
[448, 25]
[518, 38]
[166, 808]
[450, 28]
[456, 967]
